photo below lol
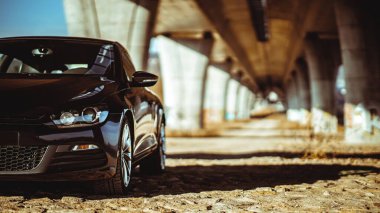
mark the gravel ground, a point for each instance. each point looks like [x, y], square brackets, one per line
[259, 167]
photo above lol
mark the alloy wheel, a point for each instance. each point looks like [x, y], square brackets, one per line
[126, 156]
[163, 146]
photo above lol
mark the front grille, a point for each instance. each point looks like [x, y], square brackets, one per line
[20, 158]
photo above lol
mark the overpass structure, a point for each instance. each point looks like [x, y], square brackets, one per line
[217, 57]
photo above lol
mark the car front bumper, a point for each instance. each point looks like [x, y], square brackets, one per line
[44, 154]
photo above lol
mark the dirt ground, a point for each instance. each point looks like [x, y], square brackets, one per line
[264, 165]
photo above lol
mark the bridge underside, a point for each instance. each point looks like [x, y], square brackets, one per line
[228, 56]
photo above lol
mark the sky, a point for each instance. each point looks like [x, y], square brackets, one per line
[32, 17]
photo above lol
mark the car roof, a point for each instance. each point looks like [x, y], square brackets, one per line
[58, 38]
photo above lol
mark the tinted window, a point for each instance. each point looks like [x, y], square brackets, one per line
[55, 57]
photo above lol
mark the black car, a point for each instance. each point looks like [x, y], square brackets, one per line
[76, 109]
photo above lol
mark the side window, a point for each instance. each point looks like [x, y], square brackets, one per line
[127, 64]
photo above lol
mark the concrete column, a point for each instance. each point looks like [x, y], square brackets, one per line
[184, 63]
[155, 68]
[129, 22]
[292, 112]
[303, 89]
[323, 65]
[215, 98]
[359, 33]
[232, 92]
[251, 103]
[243, 103]
[82, 18]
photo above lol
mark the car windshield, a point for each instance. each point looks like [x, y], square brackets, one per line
[56, 57]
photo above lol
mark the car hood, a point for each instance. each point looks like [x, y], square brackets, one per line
[26, 96]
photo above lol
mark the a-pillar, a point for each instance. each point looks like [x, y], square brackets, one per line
[323, 61]
[359, 33]
[231, 101]
[303, 89]
[184, 62]
[215, 98]
[292, 99]
[129, 22]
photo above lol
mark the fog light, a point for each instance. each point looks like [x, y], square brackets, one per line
[67, 118]
[84, 147]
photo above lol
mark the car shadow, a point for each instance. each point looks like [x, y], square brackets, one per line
[282, 154]
[195, 179]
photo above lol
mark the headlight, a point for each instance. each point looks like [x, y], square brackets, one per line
[88, 116]
[67, 118]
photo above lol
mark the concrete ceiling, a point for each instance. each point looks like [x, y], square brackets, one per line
[263, 64]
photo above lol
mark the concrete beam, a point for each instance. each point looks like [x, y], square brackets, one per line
[302, 22]
[214, 12]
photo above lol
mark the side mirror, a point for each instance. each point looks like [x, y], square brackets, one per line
[143, 79]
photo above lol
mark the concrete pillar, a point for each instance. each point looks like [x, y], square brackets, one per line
[303, 88]
[184, 63]
[215, 98]
[323, 62]
[155, 68]
[292, 112]
[82, 18]
[129, 22]
[359, 33]
[232, 91]
[251, 103]
[243, 103]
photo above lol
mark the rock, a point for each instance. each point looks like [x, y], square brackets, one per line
[254, 209]
[184, 201]
[71, 200]
[326, 193]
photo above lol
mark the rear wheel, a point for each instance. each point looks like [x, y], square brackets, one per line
[155, 163]
[119, 183]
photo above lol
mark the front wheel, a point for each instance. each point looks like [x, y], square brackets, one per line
[155, 163]
[119, 183]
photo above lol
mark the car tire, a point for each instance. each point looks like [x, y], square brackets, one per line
[120, 182]
[155, 163]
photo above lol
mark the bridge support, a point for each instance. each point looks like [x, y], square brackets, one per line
[231, 101]
[184, 62]
[322, 58]
[359, 33]
[303, 89]
[243, 108]
[129, 22]
[215, 98]
[292, 99]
